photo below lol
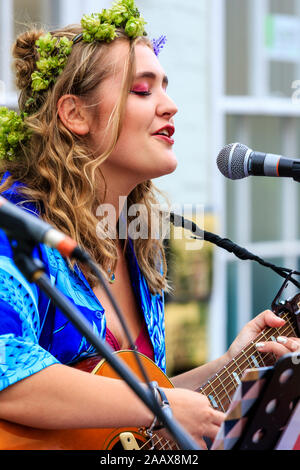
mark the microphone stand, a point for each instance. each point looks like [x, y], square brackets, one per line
[34, 271]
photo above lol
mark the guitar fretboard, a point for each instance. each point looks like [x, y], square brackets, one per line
[221, 387]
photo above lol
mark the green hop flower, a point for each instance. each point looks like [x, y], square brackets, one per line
[65, 46]
[96, 29]
[13, 131]
[54, 54]
[46, 45]
[102, 26]
[106, 32]
[39, 82]
[135, 27]
[91, 23]
[105, 16]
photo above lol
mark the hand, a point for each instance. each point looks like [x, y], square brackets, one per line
[281, 347]
[194, 412]
[253, 329]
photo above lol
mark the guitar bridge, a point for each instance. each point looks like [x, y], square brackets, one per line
[128, 441]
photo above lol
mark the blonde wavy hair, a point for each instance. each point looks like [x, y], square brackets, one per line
[57, 167]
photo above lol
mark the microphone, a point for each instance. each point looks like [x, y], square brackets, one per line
[237, 161]
[19, 225]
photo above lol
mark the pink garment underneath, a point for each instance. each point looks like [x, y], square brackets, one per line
[143, 343]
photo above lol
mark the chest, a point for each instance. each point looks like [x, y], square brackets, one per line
[123, 292]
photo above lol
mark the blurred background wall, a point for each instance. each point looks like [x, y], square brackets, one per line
[233, 67]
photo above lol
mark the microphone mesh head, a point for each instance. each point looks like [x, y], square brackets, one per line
[231, 161]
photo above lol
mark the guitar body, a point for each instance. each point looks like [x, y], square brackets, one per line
[219, 390]
[17, 437]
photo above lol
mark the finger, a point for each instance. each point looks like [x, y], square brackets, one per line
[272, 347]
[292, 344]
[268, 318]
[218, 418]
[202, 444]
[211, 431]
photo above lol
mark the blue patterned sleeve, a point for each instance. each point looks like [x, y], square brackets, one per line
[20, 352]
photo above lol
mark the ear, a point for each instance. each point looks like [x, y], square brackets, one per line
[73, 114]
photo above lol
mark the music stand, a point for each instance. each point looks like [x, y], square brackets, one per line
[262, 408]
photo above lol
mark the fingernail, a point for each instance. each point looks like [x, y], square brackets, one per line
[281, 340]
[259, 345]
[294, 347]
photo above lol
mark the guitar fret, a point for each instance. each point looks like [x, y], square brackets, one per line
[225, 390]
[221, 387]
[227, 396]
[237, 363]
[213, 401]
[255, 361]
[261, 358]
[213, 396]
[247, 358]
[237, 378]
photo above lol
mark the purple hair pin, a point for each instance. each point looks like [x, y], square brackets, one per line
[158, 44]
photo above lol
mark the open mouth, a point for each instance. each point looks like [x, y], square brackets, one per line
[165, 133]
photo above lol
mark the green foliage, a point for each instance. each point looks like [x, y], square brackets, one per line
[13, 131]
[53, 54]
[102, 26]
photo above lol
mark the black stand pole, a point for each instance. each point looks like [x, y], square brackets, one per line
[34, 271]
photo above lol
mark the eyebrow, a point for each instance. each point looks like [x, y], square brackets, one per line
[153, 76]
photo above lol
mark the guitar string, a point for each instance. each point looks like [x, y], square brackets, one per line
[229, 374]
[285, 329]
[239, 370]
[228, 392]
[158, 441]
[241, 365]
[244, 352]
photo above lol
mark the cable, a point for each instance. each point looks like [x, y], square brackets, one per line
[228, 245]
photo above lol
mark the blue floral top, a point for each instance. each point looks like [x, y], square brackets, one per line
[34, 334]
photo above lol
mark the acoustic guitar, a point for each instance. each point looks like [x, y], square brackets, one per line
[219, 390]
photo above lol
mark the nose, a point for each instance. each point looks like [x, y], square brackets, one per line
[166, 106]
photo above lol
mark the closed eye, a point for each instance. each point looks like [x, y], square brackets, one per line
[141, 93]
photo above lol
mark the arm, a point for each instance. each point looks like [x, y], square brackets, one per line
[60, 397]
[195, 378]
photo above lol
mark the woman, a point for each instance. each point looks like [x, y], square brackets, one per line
[98, 133]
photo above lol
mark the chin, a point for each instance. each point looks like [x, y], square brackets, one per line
[159, 167]
[169, 166]
[163, 170]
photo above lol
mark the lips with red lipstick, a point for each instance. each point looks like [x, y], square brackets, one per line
[165, 133]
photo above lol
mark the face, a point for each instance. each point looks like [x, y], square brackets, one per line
[145, 147]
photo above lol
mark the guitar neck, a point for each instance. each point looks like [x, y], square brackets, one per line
[221, 387]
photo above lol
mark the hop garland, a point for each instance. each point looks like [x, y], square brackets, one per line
[53, 54]
[102, 26]
[13, 131]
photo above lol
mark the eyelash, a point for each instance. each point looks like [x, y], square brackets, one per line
[141, 93]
